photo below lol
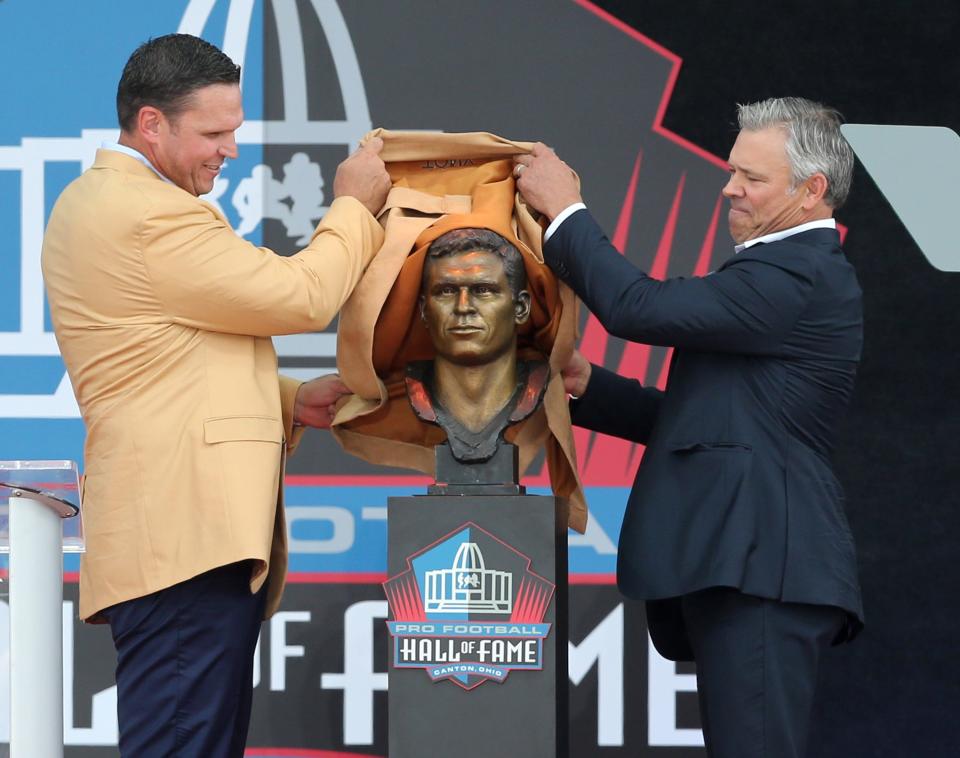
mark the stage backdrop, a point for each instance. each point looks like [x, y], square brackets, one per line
[318, 74]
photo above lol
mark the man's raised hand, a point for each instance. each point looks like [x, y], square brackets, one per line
[546, 182]
[364, 176]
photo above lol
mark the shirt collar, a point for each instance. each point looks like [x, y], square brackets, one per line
[821, 223]
[136, 154]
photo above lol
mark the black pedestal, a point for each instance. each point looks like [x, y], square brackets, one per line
[478, 608]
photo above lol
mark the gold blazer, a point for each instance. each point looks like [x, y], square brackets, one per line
[164, 316]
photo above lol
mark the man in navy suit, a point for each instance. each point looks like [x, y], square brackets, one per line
[734, 532]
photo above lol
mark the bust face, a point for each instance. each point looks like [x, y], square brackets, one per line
[469, 307]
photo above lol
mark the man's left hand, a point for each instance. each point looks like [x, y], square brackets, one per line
[315, 401]
[546, 182]
[576, 374]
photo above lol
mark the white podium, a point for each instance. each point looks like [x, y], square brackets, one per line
[39, 505]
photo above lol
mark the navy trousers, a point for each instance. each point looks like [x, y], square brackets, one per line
[185, 666]
[756, 670]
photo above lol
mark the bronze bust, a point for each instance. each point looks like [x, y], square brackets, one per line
[380, 332]
[473, 298]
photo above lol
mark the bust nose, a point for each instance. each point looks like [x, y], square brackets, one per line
[464, 303]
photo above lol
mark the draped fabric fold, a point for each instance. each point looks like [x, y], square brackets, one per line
[443, 182]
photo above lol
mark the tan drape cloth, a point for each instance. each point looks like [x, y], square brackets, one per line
[443, 182]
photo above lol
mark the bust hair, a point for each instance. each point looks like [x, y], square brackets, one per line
[164, 72]
[814, 142]
[469, 240]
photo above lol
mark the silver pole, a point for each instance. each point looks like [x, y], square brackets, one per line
[36, 629]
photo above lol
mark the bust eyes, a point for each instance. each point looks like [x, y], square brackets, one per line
[478, 289]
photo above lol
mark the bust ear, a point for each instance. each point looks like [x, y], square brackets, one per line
[521, 306]
[422, 303]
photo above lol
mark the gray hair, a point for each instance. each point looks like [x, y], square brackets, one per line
[814, 142]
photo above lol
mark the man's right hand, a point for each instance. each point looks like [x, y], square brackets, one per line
[364, 176]
[546, 182]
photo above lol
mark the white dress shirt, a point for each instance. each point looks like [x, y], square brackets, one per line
[820, 223]
[561, 217]
[117, 147]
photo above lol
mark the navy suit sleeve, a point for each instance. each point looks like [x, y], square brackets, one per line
[617, 406]
[747, 307]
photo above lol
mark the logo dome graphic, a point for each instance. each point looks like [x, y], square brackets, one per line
[468, 585]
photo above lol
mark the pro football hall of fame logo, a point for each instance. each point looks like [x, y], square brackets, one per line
[468, 609]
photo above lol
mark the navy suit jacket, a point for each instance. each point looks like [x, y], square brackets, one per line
[735, 488]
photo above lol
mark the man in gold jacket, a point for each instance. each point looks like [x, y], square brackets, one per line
[164, 317]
